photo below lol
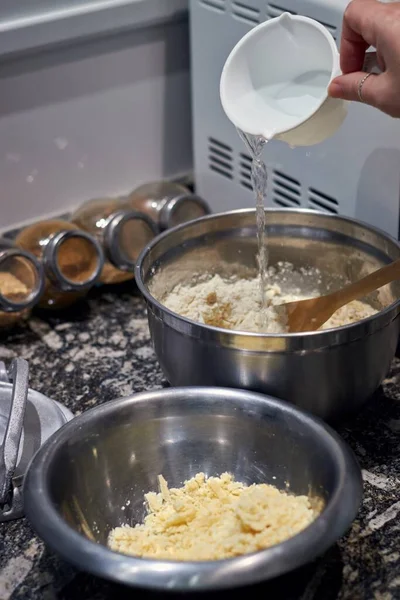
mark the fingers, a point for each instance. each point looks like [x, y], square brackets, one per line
[360, 30]
[347, 88]
[352, 48]
[377, 91]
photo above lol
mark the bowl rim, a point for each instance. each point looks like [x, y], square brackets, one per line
[243, 340]
[317, 538]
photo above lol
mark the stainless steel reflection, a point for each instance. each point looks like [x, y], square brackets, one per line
[330, 373]
[9, 500]
[91, 475]
[42, 417]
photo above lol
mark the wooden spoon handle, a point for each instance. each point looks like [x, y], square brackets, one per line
[367, 284]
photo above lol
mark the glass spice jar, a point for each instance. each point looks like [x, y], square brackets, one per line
[167, 203]
[72, 260]
[122, 232]
[21, 283]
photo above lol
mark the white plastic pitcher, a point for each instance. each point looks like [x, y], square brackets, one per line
[275, 81]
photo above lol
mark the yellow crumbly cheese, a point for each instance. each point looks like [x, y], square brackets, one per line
[213, 518]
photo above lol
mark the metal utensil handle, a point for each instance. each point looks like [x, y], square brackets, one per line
[19, 373]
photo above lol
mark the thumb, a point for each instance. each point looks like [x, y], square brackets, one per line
[347, 87]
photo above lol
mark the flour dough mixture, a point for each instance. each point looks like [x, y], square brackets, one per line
[234, 303]
[212, 519]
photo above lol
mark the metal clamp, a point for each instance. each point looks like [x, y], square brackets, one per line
[10, 497]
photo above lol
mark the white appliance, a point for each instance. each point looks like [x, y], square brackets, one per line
[355, 173]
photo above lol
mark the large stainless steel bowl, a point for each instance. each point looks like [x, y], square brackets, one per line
[329, 372]
[92, 474]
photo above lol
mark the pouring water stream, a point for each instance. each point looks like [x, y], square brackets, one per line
[259, 178]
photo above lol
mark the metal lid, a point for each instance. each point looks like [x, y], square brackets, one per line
[73, 260]
[181, 209]
[125, 236]
[30, 418]
[21, 280]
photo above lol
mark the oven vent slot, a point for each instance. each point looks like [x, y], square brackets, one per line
[286, 190]
[245, 13]
[273, 10]
[218, 5]
[321, 201]
[245, 171]
[282, 199]
[220, 158]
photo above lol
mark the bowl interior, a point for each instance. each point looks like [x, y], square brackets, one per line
[343, 250]
[98, 475]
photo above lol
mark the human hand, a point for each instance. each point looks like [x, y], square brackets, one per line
[370, 23]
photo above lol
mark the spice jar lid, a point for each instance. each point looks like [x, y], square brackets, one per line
[125, 236]
[41, 418]
[21, 280]
[181, 209]
[73, 260]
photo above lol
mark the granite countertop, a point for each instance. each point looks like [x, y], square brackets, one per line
[101, 350]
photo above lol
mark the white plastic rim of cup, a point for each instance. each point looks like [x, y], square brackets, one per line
[275, 82]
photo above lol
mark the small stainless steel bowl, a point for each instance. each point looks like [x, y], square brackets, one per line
[329, 373]
[92, 474]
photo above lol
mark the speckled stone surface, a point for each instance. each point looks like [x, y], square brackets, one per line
[101, 350]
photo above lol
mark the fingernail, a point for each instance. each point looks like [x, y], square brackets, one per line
[335, 89]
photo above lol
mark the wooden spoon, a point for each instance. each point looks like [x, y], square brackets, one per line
[309, 315]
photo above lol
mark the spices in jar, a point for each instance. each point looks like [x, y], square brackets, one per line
[21, 283]
[122, 233]
[72, 260]
[167, 203]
